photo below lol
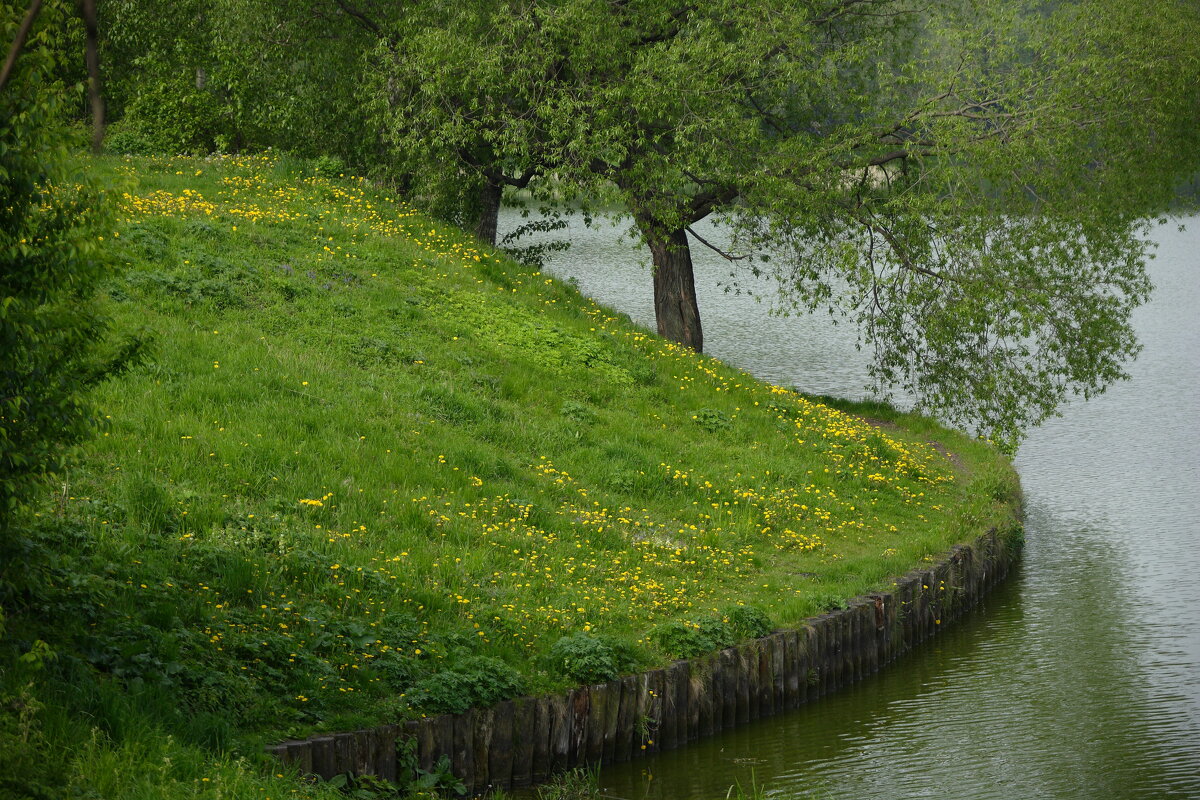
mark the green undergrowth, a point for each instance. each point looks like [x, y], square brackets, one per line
[373, 470]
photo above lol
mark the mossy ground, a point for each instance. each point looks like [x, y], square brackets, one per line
[369, 460]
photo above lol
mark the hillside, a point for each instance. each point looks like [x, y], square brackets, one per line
[372, 470]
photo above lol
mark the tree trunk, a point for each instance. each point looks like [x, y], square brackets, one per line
[675, 307]
[489, 211]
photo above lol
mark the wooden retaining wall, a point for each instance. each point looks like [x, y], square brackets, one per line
[523, 741]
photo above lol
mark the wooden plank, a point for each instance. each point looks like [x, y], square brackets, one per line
[524, 719]
[560, 733]
[657, 686]
[541, 739]
[668, 723]
[344, 752]
[696, 687]
[481, 743]
[790, 669]
[593, 747]
[612, 710]
[365, 748]
[579, 707]
[324, 761]
[741, 662]
[778, 673]
[729, 688]
[463, 759]
[300, 756]
[500, 753]
[626, 719]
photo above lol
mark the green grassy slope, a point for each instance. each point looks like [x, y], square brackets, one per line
[373, 471]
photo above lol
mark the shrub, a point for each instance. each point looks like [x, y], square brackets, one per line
[52, 223]
[748, 622]
[477, 681]
[690, 639]
[584, 658]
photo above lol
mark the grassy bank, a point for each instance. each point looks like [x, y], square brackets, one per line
[373, 471]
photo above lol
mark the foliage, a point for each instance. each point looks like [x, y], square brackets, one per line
[587, 659]
[965, 180]
[52, 220]
[574, 784]
[476, 681]
[747, 622]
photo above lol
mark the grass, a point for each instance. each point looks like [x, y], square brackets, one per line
[374, 470]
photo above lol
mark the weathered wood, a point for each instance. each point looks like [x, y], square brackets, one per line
[524, 733]
[300, 756]
[593, 747]
[626, 719]
[345, 750]
[481, 742]
[443, 737]
[766, 677]
[366, 746]
[612, 711]
[560, 732]
[696, 687]
[385, 751]
[541, 739]
[657, 686]
[462, 761]
[500, 755]
[642, 720]
[728, 690]
[324, 761]
[790, 670]
[741, 660]
[668, 727]
[580, 705]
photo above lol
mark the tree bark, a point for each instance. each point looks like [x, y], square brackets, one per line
[489, 211]
[88, 11]
[675, 308]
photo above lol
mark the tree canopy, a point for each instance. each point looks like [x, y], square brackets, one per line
[968, 181]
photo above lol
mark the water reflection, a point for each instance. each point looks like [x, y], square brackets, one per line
[1079, 678]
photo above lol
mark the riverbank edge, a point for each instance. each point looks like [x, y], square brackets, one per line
[524, 741]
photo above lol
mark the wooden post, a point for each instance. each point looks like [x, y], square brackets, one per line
[624, 742]
[481, 742]
[500, 754]
[324, 762]
[463, 759]
[523, 734]
[593, 746]
[560, 733]
[579, 706]
[541, 739]
[612, 712]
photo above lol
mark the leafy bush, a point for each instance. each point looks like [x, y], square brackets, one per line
[52, 224]
[477, 681]
[712, 419]
[584, 658]
[748, 622]
[690, 639]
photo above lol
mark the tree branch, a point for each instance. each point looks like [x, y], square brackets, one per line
[19, 42]
[716, 249]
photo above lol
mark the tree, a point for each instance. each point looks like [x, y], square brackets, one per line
[52, 222]
[460, 86]
[967, 181]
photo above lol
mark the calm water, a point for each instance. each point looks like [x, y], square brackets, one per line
[1078, 679]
